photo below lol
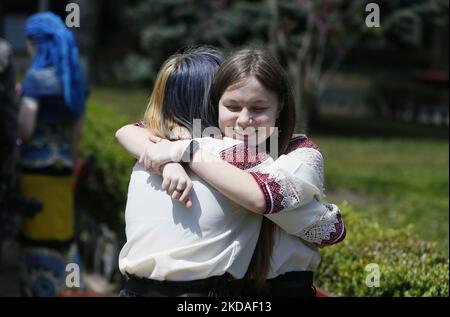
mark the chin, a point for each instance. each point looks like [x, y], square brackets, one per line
[251, 140]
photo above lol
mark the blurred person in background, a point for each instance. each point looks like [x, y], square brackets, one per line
[53, 96]
[8, 113]
[8, 136]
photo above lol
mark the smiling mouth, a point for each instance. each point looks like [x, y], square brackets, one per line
[245, 133]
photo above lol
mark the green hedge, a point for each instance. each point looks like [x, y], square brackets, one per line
[105, 190]
[407, 265]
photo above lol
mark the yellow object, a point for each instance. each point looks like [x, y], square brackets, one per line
[56, 220]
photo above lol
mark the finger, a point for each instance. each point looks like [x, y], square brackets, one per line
[158, 168]
[188, 204]
[165, 184]
[161, 168]
[176, 195]
[185, 196]
[173, 185]
[147, 164]
[154, 138]
[182, 184]
[153, 168]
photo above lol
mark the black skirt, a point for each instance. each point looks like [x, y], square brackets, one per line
[215, 286]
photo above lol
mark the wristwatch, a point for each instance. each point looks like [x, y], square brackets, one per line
[188, 154]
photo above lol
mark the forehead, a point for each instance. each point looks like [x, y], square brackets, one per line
[248, 89]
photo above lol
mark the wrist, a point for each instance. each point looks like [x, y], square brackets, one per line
[144, 148]
[189, 151]
[161, 168]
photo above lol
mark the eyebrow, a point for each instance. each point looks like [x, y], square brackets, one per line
[251, 101]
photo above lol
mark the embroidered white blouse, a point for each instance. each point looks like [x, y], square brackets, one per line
[166, 241]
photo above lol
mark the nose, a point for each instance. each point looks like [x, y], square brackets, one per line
[243, 119]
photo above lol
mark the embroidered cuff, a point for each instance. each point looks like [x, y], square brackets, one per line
[262, 186]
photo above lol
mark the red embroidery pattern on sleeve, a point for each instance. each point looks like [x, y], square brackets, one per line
[327, 230]
[263, 188]
[301, 142]
[272, 192]
[270, 187]
[243, 157]
[141, 124]
[338, 235]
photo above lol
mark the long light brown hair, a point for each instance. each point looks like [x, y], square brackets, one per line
[154, 116]
[268, 71]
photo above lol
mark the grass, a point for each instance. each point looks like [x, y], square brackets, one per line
[397, 179]
[131, 102]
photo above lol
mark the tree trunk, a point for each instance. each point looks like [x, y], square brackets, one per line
[310, 109]
[86, 34]
[302, 110]
[297, 84]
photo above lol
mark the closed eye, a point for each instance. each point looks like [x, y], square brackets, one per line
[258, 110]
[233, 108]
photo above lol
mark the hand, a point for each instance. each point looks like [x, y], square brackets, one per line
[177, 183]
[162, 151]
[147, 160]
[180, 133]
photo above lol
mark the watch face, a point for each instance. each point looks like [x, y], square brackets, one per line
[194, 146]
[189, 152]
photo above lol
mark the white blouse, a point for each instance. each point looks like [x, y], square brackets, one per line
[166, 241]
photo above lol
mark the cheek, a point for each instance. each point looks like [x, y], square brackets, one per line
[266, 120]
[226, 118]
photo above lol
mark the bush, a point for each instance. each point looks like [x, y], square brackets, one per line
[407, 265]
[104, 192]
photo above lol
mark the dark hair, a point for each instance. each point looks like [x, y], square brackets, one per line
[268, 71]
[188, 87]
[182, 91]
